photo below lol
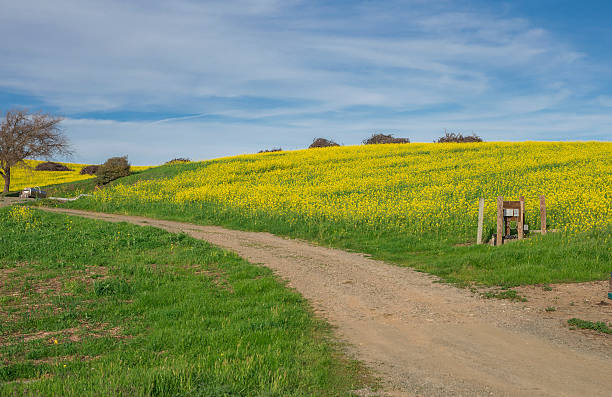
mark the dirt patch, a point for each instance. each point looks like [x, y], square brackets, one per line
[97, 270]
[29, 380]
[218, 278]
[423, 337]
[7, 273]
[49, 335]
[63, 359]
[74, 334]
[8, 201]
[91, 274]
[158, 267]
[53, 284]
[587, 301]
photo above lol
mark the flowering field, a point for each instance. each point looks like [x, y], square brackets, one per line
[22, 177]
[413, 204]
[418, 189]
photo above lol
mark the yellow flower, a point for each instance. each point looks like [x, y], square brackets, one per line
[22, 177]
[413, 188]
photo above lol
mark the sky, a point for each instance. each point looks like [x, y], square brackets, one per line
[156, 80]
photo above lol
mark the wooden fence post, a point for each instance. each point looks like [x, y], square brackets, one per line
[480, 220]
[521, 219]
[542, 214]
[500, 221]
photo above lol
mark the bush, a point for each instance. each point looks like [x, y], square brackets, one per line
[376, 139]
[322, 142]
[178, 160]
[89, 170]
[113, 168]
[277, 149]
[458, 138]
[50, 166]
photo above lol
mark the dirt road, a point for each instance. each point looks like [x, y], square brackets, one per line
[6, 201]
[419, 336]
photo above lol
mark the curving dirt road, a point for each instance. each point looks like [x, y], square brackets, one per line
[419, 336]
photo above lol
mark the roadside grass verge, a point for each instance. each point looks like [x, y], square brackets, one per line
[552, 258]
[95, 308]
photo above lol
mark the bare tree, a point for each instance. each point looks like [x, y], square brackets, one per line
[25, 135]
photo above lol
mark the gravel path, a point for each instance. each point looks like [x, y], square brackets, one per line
[6, 201]
[419, 336]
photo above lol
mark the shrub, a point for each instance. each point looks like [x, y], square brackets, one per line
[458, 138]
[89, 170]
[178, 161]
[51, 166]
[113, 168]
[322, 142]
[376, 139]
[277, 149]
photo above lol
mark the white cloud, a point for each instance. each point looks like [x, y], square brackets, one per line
[200, 139]
[318, 61]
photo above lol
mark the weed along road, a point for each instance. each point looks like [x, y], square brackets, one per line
[419, 336]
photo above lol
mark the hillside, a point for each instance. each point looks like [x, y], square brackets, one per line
[412, 204]
[22, 177]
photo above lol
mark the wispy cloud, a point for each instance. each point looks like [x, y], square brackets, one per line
[258, 68]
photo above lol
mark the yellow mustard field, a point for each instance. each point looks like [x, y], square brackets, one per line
[22, 177]
[417, 188]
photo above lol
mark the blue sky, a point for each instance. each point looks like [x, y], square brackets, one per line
[203, 79]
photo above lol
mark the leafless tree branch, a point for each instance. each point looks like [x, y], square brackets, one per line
[25, 135]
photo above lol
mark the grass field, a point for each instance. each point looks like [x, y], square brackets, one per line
[411, 204]
[94, 308]
[22, 177]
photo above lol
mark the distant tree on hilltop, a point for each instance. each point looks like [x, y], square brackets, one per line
[376, 139]
[458, 138]
[322, 142]
[113, 168]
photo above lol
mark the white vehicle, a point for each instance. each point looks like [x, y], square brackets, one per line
[32, 192]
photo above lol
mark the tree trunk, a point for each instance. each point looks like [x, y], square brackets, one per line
[6, 174]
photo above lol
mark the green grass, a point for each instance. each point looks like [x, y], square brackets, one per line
[94, 308]
[504, 294]
[599, 326]
[553, 258]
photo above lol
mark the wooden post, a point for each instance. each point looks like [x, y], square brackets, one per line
[500, 221]
[521, 219]
[480, 220]
[543, 214]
